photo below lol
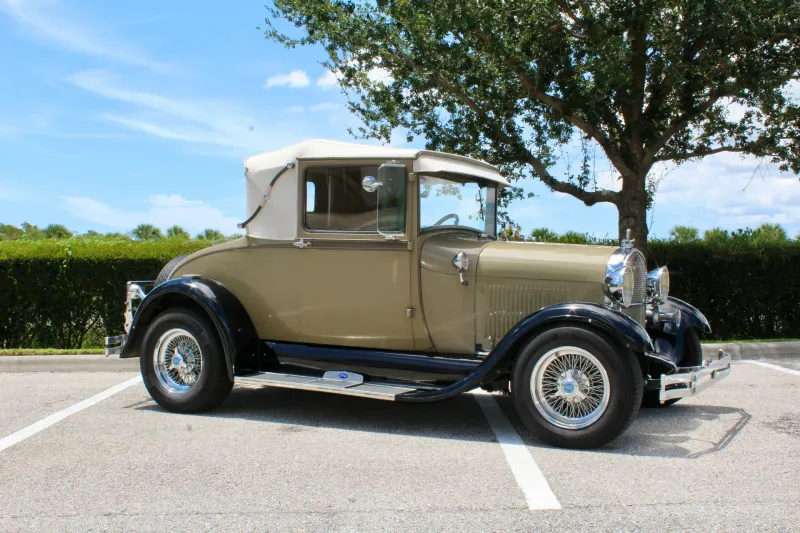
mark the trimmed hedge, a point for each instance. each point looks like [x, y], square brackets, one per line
[746, 291]
[69, 294]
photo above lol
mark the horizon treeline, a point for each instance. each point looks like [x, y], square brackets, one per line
[142, 232]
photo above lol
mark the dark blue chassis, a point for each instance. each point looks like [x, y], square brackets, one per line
[660, 351]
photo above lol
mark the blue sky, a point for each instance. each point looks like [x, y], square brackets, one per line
[117, 113]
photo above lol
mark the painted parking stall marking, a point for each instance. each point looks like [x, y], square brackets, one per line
[44, 423]
[530, 479]
[773, 367]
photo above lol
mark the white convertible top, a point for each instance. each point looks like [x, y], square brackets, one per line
[278, 219]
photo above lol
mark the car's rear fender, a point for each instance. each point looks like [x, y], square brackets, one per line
[622, 329]
[230, 319]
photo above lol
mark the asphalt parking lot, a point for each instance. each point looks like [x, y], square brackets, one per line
[283, 460]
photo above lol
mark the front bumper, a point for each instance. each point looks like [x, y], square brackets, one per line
[688, 381]
[134, 294]
[114, 345]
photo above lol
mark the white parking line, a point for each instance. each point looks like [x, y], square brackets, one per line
[44, 423]
[529, 478]
[773, 367]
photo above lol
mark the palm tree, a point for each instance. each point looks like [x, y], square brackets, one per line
[210, 234]
[684, 234]
[769, 234]
[146, 232]
[177, 232]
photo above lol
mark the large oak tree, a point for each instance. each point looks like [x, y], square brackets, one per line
[513, 81]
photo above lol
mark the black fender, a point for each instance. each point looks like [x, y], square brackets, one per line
[223, 309]
[669, 343]
[690, 315]
[617, 325]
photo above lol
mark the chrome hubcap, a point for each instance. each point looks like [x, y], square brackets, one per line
[570, 387]
[178, 361]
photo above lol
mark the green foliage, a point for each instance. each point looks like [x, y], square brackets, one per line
[519, 82]
[716, 236]
[209, 234]
[31, 232]
[177, 232]
[147, 232]
[684, 234]
[769, 234]
[543, 235]
[745, 290]
[56, 231]
[10, 233]
[70, 293]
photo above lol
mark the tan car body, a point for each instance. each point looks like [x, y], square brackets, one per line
[366, 291]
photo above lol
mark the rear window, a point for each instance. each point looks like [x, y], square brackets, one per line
[336, 201]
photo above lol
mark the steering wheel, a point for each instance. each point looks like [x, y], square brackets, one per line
[446, 217]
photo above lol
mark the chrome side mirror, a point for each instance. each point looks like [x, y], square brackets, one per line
[461, 262]
[370, 183]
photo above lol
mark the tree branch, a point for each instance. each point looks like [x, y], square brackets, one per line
[525, 156]
[750, 148]
[558, 107]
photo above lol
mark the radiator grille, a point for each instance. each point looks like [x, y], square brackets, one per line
[635, 260]
[508, 303]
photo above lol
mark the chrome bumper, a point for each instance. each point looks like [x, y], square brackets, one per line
[114, 345]
[689, 381]
[134, 295]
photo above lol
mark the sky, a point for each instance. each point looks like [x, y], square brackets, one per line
[127, 112]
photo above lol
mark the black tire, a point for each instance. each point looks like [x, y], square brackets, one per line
[213, 384]
[692, 356]
[625, 388]
[167, 270]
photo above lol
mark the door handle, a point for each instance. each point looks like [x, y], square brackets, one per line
[300, 243]
[461, 263]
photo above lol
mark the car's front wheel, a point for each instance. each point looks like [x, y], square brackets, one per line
[182, 363]
[574, 389]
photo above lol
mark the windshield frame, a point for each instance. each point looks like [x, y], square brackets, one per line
[492, 191]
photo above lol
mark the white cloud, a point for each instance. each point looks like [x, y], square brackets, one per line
[295, 79]
[327, 80]
[728, 191]
[294, 109]
[194, 121]
[162, 211]
[325, 106]
[44, 20]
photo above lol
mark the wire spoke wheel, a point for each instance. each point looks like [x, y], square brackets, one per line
[178, 361]
[570, 387]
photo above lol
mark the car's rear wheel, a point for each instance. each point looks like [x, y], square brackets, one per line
[692, 356]
[182, 363]
[574, 389]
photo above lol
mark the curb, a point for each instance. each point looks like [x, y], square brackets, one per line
[755, 350]
[66, 363]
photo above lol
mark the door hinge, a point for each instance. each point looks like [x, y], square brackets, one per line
[410, 312]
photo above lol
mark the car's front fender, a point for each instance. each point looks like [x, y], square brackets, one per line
[619, 326]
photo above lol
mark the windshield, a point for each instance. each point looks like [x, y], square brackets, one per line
[457, 202]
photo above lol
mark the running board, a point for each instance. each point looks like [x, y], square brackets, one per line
[336, 382]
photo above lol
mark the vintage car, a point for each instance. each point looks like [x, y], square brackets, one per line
[376, 272]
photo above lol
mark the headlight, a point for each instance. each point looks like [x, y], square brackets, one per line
[658, 284]
[618, 286]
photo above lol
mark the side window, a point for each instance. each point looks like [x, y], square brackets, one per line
[336, 201]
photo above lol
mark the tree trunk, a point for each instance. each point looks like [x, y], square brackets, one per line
[632, 210]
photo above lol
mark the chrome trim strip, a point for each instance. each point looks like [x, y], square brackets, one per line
[689, 381]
